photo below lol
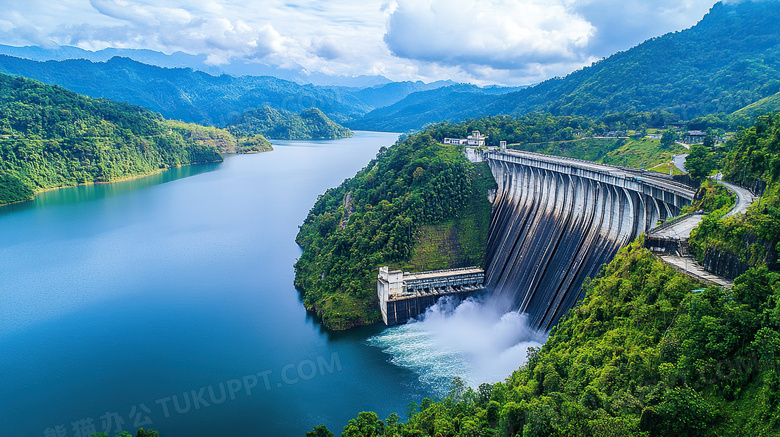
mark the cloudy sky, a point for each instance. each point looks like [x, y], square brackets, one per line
[510, 42]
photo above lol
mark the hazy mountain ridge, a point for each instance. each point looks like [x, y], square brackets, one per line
[452, 103]
[184, 94]
[197, 62]
[730, 59]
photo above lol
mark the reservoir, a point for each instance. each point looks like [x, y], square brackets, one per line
[167, 302]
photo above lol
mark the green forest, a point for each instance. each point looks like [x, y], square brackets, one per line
[728, 61]
[51, 137]
[310, 124]
[649, 351]
[573, 136]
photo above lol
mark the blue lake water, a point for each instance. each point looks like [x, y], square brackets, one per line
[167, 302]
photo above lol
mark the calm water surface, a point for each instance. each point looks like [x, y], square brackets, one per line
[120, 303]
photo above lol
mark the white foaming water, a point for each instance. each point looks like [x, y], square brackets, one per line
[478, 340]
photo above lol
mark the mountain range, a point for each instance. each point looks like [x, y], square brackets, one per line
[198, 97]
[729, 60]
[296, 73]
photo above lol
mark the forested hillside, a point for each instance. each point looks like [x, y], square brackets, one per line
[310, 124]
[727, 61]
[647, 353]
[573, 136]
[451, 103]
[51, 137]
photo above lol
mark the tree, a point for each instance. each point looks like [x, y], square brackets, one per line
[699, 162]
[668, 137]
[458, 388]
[319, 431]
[709, 138]
[367, 424]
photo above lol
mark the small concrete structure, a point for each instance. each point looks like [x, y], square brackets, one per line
[404, 296]
[476, 139]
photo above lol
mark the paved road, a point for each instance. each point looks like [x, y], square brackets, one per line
[679, 161]
[692, 268]
[744, 198]
[680, 230]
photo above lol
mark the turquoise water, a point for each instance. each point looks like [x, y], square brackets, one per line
[167, 302]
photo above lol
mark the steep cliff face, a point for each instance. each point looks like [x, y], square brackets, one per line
[550, 230]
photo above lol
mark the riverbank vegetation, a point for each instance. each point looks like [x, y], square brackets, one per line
[310, 124]
[51, 137]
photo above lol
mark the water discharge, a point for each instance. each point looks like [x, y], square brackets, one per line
[478, 340]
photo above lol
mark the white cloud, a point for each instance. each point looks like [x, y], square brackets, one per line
[623, 24]
[502, 34]
[484, 41]
[326, 48]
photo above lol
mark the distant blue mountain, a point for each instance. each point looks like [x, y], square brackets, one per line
[196, 62]
[196, 96]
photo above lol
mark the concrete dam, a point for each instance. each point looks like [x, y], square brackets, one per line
[557, 220]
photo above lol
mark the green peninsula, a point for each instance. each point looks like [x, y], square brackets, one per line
[310, 124]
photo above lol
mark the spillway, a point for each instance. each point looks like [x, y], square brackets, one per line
[556, 221]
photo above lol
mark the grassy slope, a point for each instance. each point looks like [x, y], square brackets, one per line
[460, 241]
[748, 114]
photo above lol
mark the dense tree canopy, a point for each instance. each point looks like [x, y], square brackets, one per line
[699, 162]
[311, 124]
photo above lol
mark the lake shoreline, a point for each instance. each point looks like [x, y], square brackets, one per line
[125, 179]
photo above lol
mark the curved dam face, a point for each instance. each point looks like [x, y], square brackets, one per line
[556, 221]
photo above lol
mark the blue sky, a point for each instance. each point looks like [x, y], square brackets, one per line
[510, 42]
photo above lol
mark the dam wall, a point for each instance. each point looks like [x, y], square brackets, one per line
[556, 221]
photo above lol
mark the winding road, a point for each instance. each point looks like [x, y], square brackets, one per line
[681, 230]
[744, 198]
